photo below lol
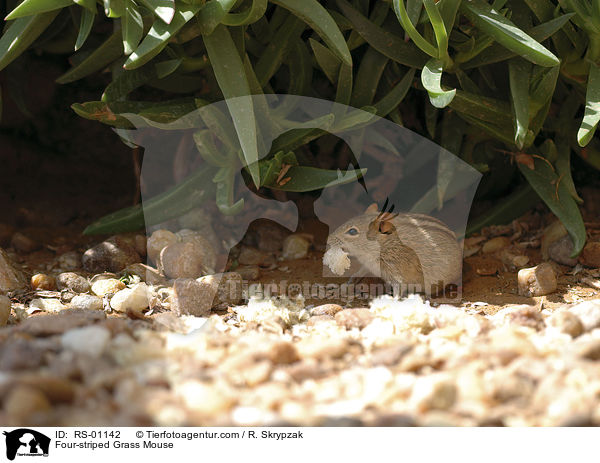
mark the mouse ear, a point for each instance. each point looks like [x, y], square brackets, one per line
[386, 227]
[372, 209]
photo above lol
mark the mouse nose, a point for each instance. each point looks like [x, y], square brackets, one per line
[334, 242]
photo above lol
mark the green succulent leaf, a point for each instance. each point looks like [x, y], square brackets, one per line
[32, 7]
[132, 27]
[85, 26]
[486, 18]
[519, 73]
[20, 34]
[317, 17]
[159, 35]
[231, 76]
[163, 9]
[555, 193]
[591, 116]
[431, 78]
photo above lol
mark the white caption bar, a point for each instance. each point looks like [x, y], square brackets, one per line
[298, 444]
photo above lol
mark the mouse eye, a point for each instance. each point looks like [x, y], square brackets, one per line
[352, 232]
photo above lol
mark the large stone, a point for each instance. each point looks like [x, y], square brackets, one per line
[112, 255]
[88, 340]
[72, 281]
[197, 297]
[11, 278]
[134, 299]
[86, 302]
[537, 281]
[4, 310]
[184, 260]
[591, 254]
[589, 314]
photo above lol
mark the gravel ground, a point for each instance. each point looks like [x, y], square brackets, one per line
[135, 345]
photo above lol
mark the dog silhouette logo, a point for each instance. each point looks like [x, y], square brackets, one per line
[26, 442]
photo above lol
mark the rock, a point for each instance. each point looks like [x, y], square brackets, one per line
[537, 281]
[107, 286]
[69, 261]
[205, 399]
[590, 350]
[184, 260]
[86, 302]
[228, 287]
[433, 392]
[146, 273]
[191, 236]
[48, 305]
[89, 340]
[527, 316]
[560, 251]
[6, 232]
[354, 318]
[591, 254]
[296, 247]
[326, 309]
[251, 256]
[266, 235]
[495, 244]
[23, 243]
[566, 322]
[588, 313]
[43, 281]
[72, 281]
[552, 233]
[134, 299]
[11, 278]
[197, 297]
[192, 298]
[248, 272]
[391, 355]
[316, 319]
[4, 310]
[57, 390]
[112, 255]
[159, 240]
[22, 354]
[318, 347]
[23, 403]
[48, 325]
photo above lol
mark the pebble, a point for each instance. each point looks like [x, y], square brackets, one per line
[183, 260]
[326, 309]
[134, 299]
[191, 236]
[107, 287]
[251, 256]
[51, 324]
[4, 310]
[527, 316]
[588, 313]
[57, 390]
[354, 318]
[73, 281]
[43, 281]
[23, 243]
[316, 319]
[433, 392]
[495, 244]
[48, 305]
[86, 302]
[591, 254]
[112, 255]
[192, 298]
[206, 399]
[11, 278]
[69, 260]
[590, 350]
[228, 288]
[566, 322]
[537, 281]
[89, 340]
[22, 403]
[560, 251]
[159, 240]
[296, 247]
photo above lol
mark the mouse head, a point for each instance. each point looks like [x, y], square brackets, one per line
[381, 227]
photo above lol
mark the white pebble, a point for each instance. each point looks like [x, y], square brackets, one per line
[89, 340]
[134, 299]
